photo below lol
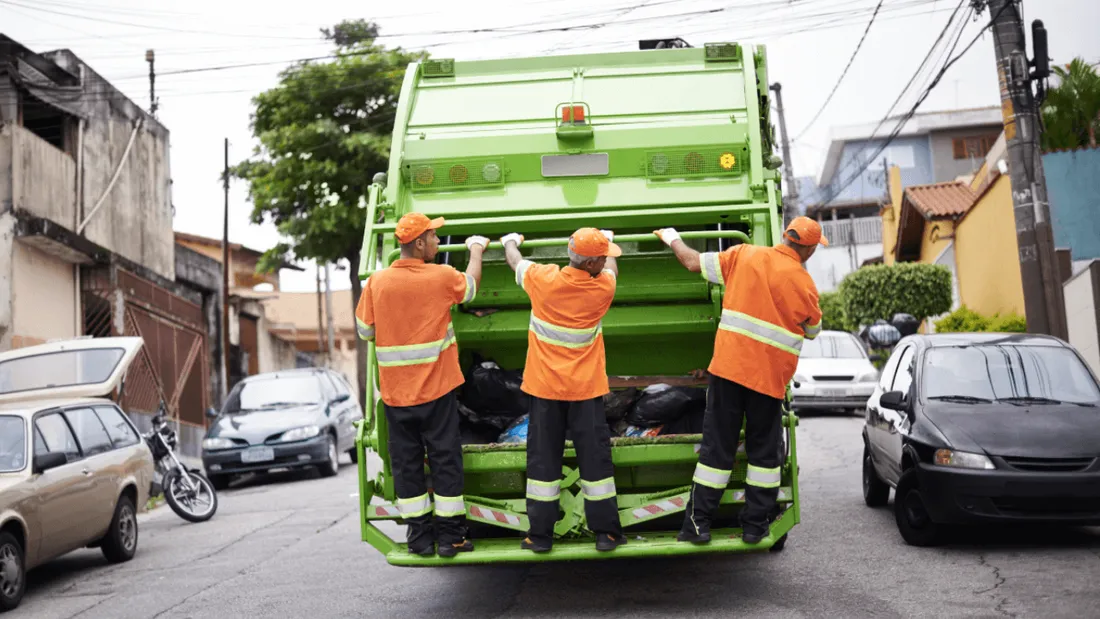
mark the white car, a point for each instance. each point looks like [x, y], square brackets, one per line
[834, 372]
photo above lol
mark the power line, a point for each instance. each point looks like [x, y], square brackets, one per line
[843, 73]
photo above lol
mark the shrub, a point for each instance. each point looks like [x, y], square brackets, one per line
[880, 291]
[832, 309]
[966, 320]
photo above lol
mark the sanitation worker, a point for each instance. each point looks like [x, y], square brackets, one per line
[769, 307]
[406, 308]
[566, 377]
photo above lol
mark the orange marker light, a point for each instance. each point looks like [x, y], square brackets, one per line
[572, 114]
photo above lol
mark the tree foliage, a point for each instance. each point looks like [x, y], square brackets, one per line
[1071, 110]
[832, 310]
[966, 320]
[880, 291]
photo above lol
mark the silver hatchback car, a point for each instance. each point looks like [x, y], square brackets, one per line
[73, 469]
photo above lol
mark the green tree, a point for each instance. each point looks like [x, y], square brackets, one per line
[880, 291]
[832, 310]
[324, 131]
[1071, 110]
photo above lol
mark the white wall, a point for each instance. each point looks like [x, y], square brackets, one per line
[43, 297]
[830, 264]
[1081, 314]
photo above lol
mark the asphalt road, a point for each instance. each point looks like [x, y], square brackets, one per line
[289, 547]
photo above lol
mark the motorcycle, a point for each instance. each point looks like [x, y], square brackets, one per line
[187, 491]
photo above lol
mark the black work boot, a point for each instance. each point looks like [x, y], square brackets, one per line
[450, 550]
[702, 537]
[608, 541]
[423, 552]
[527, 544]
[753, 537]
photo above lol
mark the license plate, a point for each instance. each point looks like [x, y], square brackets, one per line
[258, 454]
[835, 393]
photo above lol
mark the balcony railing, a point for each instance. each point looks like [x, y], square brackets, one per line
[858, 231]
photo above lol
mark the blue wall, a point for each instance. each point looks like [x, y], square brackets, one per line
[913, 155]
[1073, 188]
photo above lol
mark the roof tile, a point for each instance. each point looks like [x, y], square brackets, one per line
[949, 199]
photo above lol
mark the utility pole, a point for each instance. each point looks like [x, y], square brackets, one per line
[328, 311]
[150, 57]
[320, 316]
[1044, 304]
[790, 201]
[225, 277]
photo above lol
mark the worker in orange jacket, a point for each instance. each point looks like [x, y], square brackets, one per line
[566, 377]
[407, 309]
[769, 306]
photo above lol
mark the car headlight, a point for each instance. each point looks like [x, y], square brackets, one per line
[211, 444]
[300, 434]
[868, 377]
[962, 459]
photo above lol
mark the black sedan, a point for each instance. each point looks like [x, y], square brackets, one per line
[983, 427]
[282, 420]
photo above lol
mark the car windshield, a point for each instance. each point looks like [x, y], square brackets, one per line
[13, 444]
[832, 347]
[59, 369]
[275, 392]
[1009, 372]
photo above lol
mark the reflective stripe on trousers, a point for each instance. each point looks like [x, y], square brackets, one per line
[364, 330]
[449, 506]
[711, 477]
[762, 477]
[711, 269]
[761, 331]
[414, 354]
[543, 490]
[598, 490]
[564, 336]
[416, 506]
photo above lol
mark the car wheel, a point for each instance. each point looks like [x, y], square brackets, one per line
[120, 543]
[13, 575]
[332, 465]
[220, 482]
[779, 544]
[914, 522]
[876, 493]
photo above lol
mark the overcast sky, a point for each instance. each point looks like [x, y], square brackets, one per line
[809, 42]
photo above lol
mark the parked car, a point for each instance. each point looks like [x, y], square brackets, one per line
[834, 372]
[983, 427]
[73, 468]
[282, 420]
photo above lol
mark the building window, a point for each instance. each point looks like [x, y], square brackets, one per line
[973, 147]
[47, 122]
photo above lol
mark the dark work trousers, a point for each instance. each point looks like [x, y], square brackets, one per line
[727, 404]
[430, 427]
[545, 446]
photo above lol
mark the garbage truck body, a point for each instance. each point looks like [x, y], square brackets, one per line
[630, 142]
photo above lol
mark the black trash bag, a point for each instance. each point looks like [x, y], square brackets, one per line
[662, 404]
[476, 434]
[617, 404]
[486, 423]
[690, 423]
[906, 324]
[493, 396]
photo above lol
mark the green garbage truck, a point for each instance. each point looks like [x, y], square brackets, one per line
[631, 142]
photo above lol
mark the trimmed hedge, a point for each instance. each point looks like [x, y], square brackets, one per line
[832, 309]
[880, 291]
[966, 320]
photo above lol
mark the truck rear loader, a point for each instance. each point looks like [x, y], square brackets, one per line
[630, 142]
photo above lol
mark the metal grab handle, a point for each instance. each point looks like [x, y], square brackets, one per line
[625, 238]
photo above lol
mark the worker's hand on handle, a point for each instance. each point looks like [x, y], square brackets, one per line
[609, 234]
[667, 235]
[476, 241]
[514, 237]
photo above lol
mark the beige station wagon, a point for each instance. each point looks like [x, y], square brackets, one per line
[73, 469]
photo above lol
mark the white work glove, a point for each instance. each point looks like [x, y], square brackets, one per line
[609, 234]
[514, 237]
[476, 240]
[668, 235]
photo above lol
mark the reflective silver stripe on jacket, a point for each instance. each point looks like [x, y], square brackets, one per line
[712, 477]
[564, 336]
[762, 477]
[543, 490]
[521, 271]
[416, 506]
[364, 330]
[471, 288]
[761, 331]
[598, 490]
[449, 506]
[711, 268]
[812, 331]
[414, 354]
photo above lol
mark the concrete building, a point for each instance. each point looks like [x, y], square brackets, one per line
[930, 148]
[293, 318]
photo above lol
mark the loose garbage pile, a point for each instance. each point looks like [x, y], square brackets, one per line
[493, 409]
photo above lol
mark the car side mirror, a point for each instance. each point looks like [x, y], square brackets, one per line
[49, 460]
[894, 400]
[343, 397]
[211, 413]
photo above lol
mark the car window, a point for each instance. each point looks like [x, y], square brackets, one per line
[1006, 371]
[833, 346]
[118, 427]
[904, 378]
[890, 369]
[341, 386]
[90, 434]
[55, 436]
[13, 443]
[329, 386]
[273, 391]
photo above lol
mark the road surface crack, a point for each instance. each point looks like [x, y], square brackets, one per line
[998, 580]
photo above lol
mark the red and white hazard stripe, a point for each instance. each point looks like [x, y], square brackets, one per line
[660, 507]
[491, 514]
[386, 510]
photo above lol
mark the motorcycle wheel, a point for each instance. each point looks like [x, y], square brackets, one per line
[196, 505]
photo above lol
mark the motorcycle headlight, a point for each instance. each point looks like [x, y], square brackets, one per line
[300, 434]
[211, 444]
[962, 459]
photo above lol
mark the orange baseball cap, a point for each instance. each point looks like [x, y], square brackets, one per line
[591, 243]
[805, 231]
[412, 225]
